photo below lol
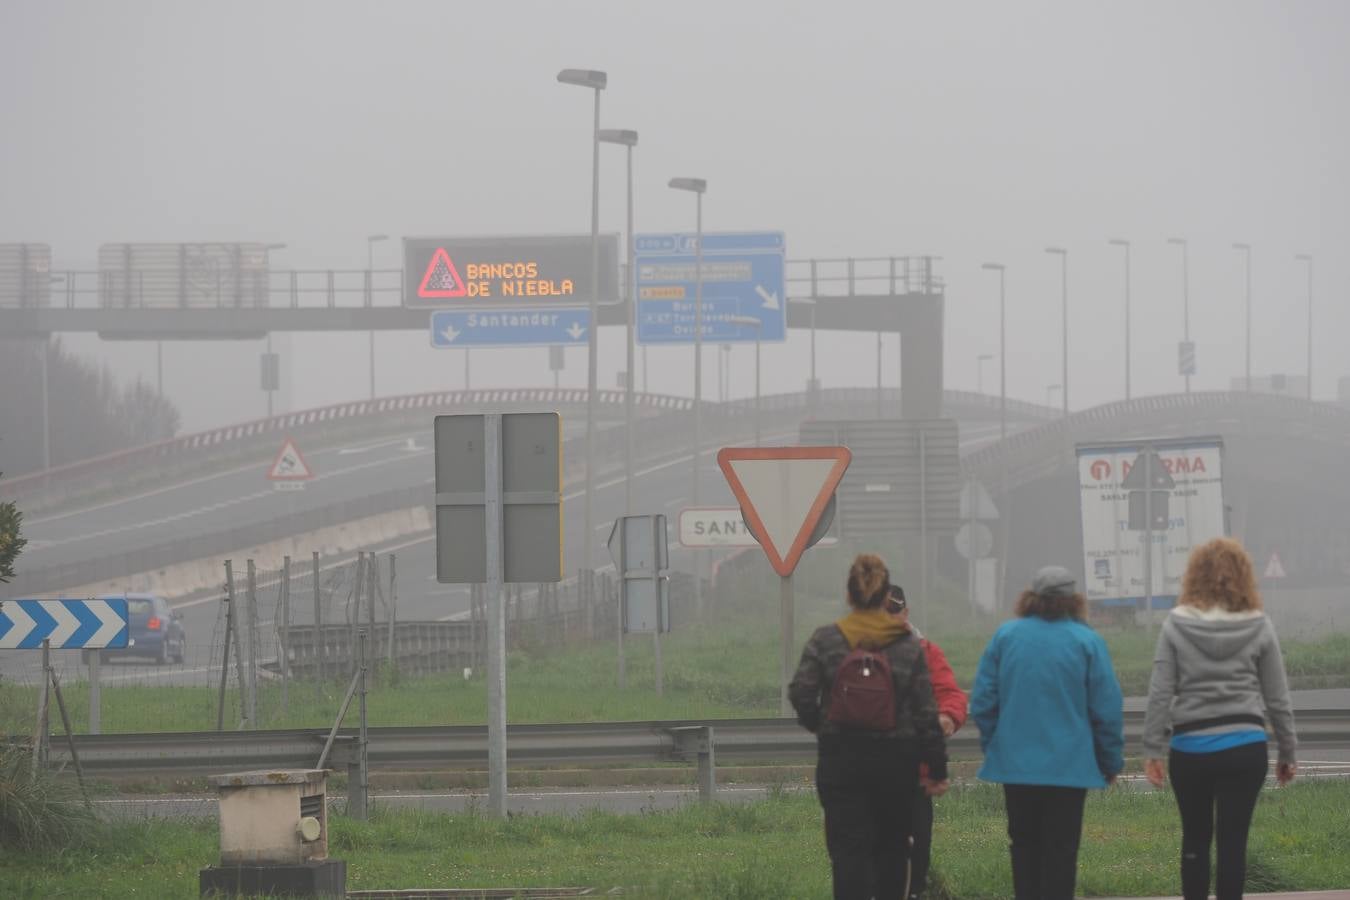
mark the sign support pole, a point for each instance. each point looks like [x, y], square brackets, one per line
[96, 692]
[496, 613]
[923, 528]
[661, 624]
[1148, 540]
[40, 738]
[785, 614]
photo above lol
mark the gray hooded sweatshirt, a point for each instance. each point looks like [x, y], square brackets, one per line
[1216, 671]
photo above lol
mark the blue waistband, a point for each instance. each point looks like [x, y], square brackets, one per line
[1213, 743]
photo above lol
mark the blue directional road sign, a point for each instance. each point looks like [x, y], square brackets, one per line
[742, 278]
[509, 327]
[68, 624]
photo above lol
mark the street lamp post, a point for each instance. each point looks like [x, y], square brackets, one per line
[595, 81]
[267, 273]
[371, 241]
[1002, 351]
[1246, 250]
[698, 187]
[1307, 258]
[752, 322]
[1119, 242]
[979, 371]
[628, 139]
[1185, 296]
[1064, 308]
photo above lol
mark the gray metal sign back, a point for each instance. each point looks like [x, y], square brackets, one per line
[638, 546]
[531, 489]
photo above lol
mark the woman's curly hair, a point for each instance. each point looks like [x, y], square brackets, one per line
[868, 581]
[1220, 574]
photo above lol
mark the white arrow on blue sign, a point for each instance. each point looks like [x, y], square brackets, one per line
[509, 327]
[743, 278]
[67, 624]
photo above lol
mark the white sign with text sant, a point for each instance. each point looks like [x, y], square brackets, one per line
[714, 526]
[1113, 558]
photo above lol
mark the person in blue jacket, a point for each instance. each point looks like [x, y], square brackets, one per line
[1051, 723]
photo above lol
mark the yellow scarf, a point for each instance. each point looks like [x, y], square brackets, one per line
[870, 628]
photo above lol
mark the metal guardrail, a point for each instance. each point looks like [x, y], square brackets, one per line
[465, 746]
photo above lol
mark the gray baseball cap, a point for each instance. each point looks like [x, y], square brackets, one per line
[1053, 581]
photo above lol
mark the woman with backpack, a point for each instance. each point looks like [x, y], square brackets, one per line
[1218, 677]
[863, 689]
[1051, 722]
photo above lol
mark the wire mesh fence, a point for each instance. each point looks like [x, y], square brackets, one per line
[284, 642]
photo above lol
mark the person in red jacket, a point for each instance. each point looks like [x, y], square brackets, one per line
[952, 706]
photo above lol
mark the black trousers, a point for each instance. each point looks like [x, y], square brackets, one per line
[1216, 795]
[1044, 827]
[866, 788]
[922, 848]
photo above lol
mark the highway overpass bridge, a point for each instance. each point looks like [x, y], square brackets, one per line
[1283, 459]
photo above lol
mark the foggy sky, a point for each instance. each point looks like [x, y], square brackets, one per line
[973, 131]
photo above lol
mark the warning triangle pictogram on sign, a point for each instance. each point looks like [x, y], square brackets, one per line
[441, 278]
[1275, 568]
[290, 465]
[783, 492]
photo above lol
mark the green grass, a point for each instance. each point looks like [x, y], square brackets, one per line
[769, 849]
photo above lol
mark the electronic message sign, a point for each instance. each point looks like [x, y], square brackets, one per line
[516, 271]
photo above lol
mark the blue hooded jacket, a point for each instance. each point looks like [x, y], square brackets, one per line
[1048, 706]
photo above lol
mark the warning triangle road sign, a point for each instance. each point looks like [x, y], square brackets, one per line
[441, 278]
[1275, 568]
[290, 465]
[783, 492]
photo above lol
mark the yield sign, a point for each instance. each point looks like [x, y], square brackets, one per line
[441, 278]
[290, 465]
[783, 492]
[1275, 568]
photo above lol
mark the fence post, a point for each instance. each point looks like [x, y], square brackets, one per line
[372, 588]
[284, 644]
[225, 650]
[363, 756]
[238, 627]
[252, 645]
[354, 612]
[393, 611]
[318, 632]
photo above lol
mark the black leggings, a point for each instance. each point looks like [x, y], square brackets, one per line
[1216, 788]
[1044, 827]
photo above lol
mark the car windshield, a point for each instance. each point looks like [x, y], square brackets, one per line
[140, 608]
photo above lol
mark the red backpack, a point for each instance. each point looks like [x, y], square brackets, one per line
[863, 694]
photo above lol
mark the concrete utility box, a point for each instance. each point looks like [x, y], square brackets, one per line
[273, 816]
[274, 837]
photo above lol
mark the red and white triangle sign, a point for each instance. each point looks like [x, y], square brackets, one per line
[1275, 568]
[441, 278]
[783, 492]
[290, 465]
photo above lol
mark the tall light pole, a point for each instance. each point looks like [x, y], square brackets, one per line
[758, 325]
[1120, 242]
[1064, 326]
[595, 81]
[371, 241]
[979, 371]
[1002, 351]
[1185, 296]
[267, 273]
[698, 187]
[628, 139]
[1246, 250]
[812, 387]
[1307, 258]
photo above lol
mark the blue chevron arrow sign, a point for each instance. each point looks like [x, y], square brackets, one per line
[68, 624]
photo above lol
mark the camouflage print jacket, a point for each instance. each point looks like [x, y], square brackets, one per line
[916, 709]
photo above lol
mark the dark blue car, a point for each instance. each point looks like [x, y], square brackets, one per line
[156, 630]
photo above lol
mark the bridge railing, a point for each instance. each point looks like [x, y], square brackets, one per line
[337, 288]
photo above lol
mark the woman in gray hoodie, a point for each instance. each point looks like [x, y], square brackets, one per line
[1218, 679]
